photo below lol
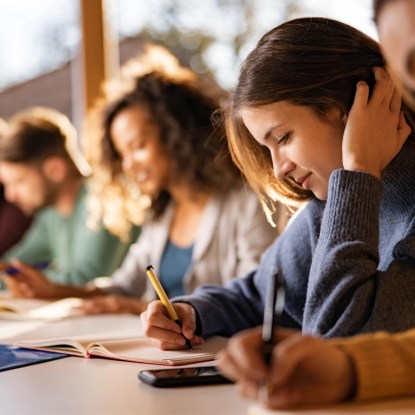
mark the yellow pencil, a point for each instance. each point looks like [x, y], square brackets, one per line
[164, 299]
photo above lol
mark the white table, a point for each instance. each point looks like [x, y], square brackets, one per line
[99, 386]
[77, 386]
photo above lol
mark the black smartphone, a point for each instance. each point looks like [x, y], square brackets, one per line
[189, 376]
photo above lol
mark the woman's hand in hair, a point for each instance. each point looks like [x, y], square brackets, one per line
[376, 128]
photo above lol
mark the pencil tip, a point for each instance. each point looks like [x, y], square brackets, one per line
[149, 267]
[189, 344]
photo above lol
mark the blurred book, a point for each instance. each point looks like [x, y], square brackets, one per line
[33, 309]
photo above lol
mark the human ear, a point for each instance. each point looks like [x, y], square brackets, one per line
[335, 115]
[55, 169]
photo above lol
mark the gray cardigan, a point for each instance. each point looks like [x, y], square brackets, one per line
[232, 236]
[348, 264]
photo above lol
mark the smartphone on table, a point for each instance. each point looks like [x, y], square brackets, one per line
[189, 376]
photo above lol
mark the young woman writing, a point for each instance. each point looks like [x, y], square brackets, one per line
[315, 116]
[369, 366]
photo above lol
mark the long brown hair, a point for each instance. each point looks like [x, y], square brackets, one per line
[315, 62]
[181, 104]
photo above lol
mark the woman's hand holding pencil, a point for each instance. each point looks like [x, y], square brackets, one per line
[171, 326]
[165, 333]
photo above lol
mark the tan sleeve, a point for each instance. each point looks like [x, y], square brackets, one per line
[384, 363]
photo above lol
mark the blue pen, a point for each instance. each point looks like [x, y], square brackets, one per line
[40, 265]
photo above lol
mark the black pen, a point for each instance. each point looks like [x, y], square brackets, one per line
[274, 305]
[268, 338]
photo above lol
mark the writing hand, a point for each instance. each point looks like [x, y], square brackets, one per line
[29, 282]
[165, 333]
[304, 369]
[243, 361]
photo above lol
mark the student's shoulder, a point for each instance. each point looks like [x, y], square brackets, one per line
[310, 211]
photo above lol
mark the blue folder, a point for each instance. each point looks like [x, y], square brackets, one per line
[13, 357]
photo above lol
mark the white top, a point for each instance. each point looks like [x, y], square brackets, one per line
[232, 236]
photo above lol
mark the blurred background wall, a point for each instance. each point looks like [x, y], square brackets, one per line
[52, 51]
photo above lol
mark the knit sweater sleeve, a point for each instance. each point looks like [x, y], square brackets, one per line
[348, 290]
[384, 363]
[225, 310]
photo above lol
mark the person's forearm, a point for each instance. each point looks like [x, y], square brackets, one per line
[88, 290]
[138, 306]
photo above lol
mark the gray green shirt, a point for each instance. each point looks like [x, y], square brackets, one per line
[77, 253]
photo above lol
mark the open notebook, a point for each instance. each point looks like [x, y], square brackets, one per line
[139, 349]
[29, 309]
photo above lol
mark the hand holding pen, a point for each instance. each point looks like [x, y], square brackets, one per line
[248, 356]
[283, 367]
[274, 306]
[27, 280]
[166, 303]
[39, 265]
